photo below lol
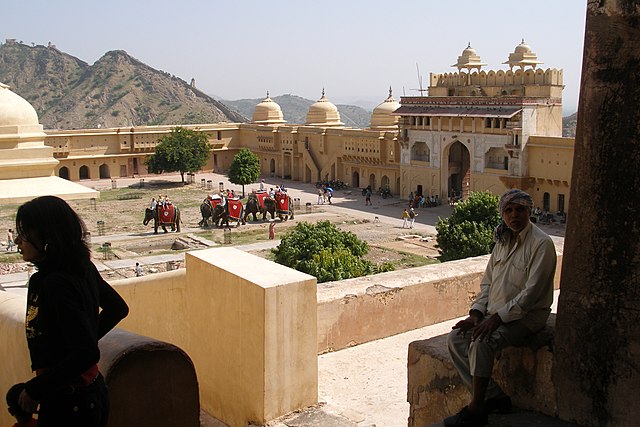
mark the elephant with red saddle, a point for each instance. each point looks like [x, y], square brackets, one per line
[282, 205]
[163, 216]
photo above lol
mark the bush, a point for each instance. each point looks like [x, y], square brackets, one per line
[325, 252]
[468, 231]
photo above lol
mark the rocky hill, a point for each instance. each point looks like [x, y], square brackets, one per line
[569, 125]
[295, 108]
[117, 90]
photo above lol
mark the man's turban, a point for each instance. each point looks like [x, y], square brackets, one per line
[517, 197]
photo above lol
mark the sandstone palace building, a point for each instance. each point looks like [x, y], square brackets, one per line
[476, 130]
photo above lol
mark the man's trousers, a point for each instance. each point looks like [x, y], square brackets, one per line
[475, 358]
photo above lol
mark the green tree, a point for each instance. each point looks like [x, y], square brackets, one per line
[244, 168]
[469, 230]
[183, 150]
[326, 252]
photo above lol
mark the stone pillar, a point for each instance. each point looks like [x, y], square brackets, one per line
[256, 339]
[596, 367]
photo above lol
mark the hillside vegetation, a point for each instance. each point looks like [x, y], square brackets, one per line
[117, 90]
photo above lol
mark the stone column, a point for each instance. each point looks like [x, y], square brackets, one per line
[597, 358]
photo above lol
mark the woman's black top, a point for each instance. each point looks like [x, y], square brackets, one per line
[64, 323]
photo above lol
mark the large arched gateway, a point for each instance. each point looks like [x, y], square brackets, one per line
[458, 177]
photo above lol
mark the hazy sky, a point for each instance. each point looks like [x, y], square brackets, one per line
[355, 49]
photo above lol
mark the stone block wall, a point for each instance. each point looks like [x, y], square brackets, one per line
[435, 391]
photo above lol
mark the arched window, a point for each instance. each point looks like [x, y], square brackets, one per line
[64, 172]
[104, 171]
[84, 172]
[420, 151]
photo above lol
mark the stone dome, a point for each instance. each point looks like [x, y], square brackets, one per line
[382, 117]
[523, 48]
[15, 110]
[469, 59]
[522, 56]
[323, 113]
[268, 112]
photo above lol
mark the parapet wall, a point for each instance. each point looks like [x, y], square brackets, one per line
[355, 311]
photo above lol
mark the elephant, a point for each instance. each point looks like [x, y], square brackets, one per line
[220, 216]
[253, 208]
[274, 206]
[206, 211]
[166, 218]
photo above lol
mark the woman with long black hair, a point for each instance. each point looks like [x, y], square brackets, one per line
[69, 308]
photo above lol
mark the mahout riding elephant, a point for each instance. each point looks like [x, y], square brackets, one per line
[163, 216]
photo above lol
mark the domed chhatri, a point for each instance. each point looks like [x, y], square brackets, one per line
[15, 110]
[268, 112]
[382, 116]
[323, 113]
[26, 163]
[522, 57]
[469, 60]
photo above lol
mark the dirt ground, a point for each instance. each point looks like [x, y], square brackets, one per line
[120, 211]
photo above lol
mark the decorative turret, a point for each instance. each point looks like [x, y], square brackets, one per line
[268, 112]
[382, 118]
[469, 60]
[522, 56]
[27, 165]
[323, 113]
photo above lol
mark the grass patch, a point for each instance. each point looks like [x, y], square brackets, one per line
[10, 258]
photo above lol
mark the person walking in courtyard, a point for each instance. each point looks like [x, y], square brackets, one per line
[138, 270]
[69, 308]
[367, 197]
[514, 302]
[320, 197]
[10, 240]
[272, 230]
[412, 217]
[405, 218]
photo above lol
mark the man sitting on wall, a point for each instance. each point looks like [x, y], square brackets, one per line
[514, 302]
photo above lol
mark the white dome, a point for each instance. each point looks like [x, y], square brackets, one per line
[268, 111]
[15, 110]
[522, 57]
[323, 113]
[469, 59]
[382, 117]
[523, 48]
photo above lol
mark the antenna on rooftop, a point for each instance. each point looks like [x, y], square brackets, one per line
[421, 89]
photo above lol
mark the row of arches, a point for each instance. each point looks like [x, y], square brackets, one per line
[84, 172]
[385, 182]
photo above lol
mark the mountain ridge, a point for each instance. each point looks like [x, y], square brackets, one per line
[118, 90]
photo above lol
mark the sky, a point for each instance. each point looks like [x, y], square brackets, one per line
[354, 49]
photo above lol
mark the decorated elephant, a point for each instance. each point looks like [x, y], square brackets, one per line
[163, 215]
[282, 205]
[255, 205]
[221, 213]
[206, 210]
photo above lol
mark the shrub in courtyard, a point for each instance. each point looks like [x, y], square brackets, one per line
[468, 231]
[324, 251]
